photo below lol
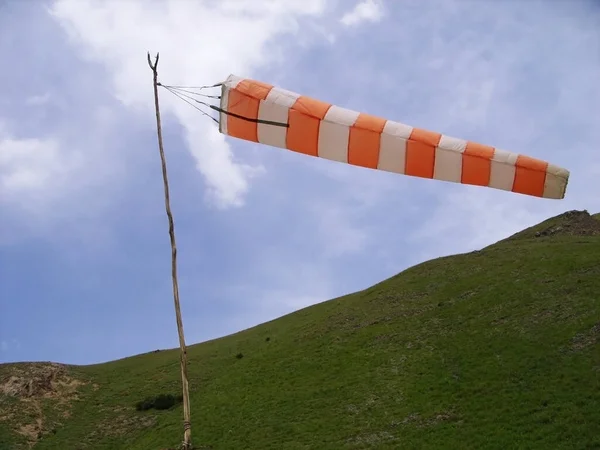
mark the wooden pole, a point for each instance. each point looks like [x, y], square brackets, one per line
[187, 434]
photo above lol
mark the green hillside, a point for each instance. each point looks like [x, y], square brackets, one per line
[494, 349]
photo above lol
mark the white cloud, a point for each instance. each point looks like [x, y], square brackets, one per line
[33, 166]
[54, 183]
[365, 11]
[199, 43]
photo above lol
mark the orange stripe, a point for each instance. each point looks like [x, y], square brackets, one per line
[425, 136]
[254, 89]
[477, 164]
[420, 152]
[244, 100]
[304, 119]
[364, 139]
[530, 176]
[311, 107]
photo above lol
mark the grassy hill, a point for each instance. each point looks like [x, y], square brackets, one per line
[494, 349]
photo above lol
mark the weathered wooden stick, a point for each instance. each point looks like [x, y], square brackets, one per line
[187, 433]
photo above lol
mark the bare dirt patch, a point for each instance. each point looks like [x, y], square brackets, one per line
[572, 223]
[40, 380]
[120, 425]
[24, 391]
[419, 421]
[584, 340]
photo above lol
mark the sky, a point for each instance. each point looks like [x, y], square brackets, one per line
[261, 232]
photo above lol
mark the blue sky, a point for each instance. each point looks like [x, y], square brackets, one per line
[84, 249]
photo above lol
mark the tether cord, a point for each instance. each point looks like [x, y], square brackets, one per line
[187, 91]
[194, 87]
[191, 104]
[182, 93]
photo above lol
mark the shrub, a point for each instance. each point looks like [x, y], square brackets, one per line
[145, 404]
[160, 402]
[167, 401]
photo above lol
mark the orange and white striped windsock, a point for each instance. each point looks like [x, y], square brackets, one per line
[259, 112]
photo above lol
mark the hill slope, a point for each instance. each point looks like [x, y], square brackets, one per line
[495, 349]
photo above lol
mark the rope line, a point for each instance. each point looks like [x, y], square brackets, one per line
[187, 91]
[194, 87]
[183, 92]
[192, 105]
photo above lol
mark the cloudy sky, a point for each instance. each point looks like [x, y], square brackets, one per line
[84, 248]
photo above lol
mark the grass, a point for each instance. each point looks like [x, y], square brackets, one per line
[495, 349]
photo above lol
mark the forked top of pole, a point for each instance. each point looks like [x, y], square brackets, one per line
[153, 66]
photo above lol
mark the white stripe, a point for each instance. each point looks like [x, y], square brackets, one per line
[397, 129]
[282, 97]
[454, 144]
[334, 133]
[333, 141]
[268, 134]
[232, 81]
[392, 153]
[558, 171]
[503, 170]
[553, 186]
[341, 116]
[276, 108]
[448, 165]
[504, 157]
[556, 182]
[224, 104]
[448, 159]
